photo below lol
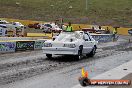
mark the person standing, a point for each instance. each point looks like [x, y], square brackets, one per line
[114, 33]
[107, 30]
[69, 28]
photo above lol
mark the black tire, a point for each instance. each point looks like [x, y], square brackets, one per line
[79, 56]
[49, 56]
[92, 53]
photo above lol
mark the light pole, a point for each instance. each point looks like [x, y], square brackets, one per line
[86, 5]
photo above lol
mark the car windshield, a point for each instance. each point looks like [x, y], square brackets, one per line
[48, 25]
[66, 36]
[2, 22]
[17, 23]
[2, 26]
[14, 23]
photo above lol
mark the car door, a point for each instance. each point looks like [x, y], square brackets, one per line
[88, 43]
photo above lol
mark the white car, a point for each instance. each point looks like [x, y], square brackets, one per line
[50, 27]
[47, 28]
[76, 43]
[17, 25]
[55, 28]
[12, 25]
[3, 23]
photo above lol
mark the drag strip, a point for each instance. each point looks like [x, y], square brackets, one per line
[30, 64]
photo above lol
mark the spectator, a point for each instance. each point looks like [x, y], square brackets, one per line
[107, 31]
[114, 33]
[69, 28]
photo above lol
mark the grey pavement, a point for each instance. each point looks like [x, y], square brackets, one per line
[68, 77]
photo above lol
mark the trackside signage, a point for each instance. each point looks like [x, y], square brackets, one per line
[24, 45]
[109, 82]
[7, 47]
[85, 81]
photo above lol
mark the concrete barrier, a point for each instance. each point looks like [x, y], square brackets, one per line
[44, 35]
[12, 44]
[15, 38]
[121, 31]
[103, 37]
[25, 22]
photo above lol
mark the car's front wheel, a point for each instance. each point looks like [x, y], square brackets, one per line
[49, 56]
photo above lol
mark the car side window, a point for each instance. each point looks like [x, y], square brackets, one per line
[89, 37]
[14, 23]
[48, 25]
[86, 37]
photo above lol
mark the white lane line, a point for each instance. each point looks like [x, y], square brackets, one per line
[116, 73]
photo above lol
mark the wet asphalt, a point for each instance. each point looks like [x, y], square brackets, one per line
[34, 70]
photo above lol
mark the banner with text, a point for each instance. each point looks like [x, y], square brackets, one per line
[24, 45]
[7, 47]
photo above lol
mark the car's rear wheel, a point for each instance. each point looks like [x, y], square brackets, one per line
[49, 56]
[92, 53]
[79, 56]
